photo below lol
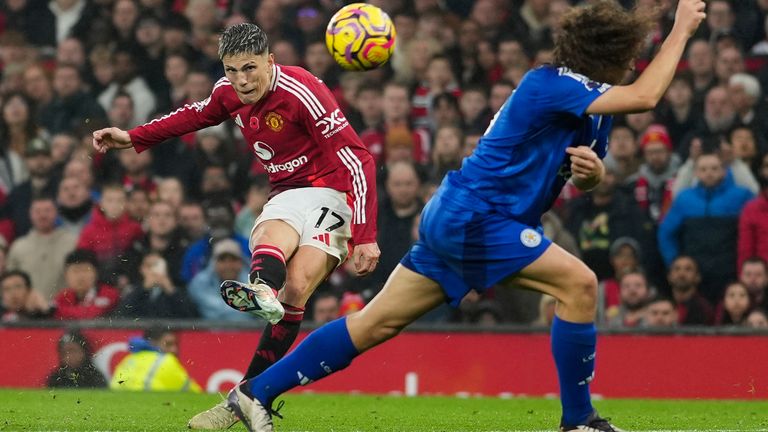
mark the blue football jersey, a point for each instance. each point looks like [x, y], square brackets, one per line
[520, 164]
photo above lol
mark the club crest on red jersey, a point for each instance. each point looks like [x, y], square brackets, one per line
[274, 121]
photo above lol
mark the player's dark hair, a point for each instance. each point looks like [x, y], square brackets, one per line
[23, 275]
[600, 40]
[244, 38]
[81, 256]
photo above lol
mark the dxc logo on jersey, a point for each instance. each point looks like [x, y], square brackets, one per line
[263, 151]
[332, 124]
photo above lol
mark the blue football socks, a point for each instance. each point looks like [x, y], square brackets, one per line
[573, 346]
[326, 350]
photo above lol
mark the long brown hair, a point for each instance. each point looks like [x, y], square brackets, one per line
[601, 39]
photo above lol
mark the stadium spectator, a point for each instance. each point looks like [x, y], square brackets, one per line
[17, 125]
[622, 157]
[758, 319]
[75, 369]
[176, 72]
[75, 205]
[753, 221]
[81, 169]
[754, 276]
[137, 204]
[171, 191]
[136, 169]
[19, 301]
[439, 78]
[192, 221]
[163, 237]
[634, 293]
[153, 365]
[120, 112]
[396, 107]
[84, 297]
[601, 216]
[624, 256]
[737, 169]
[155, 295]
[72, 107]
[255, 199]
[38, 86]
[44, 244]
[220, 218]
[447, 152]
[660, 313]
[41, 183]
[110, 232]
[229, 176]
[702, 223]
[678, 112]
[474, 108]
[367, 118]
[396, 213]
[126, 79]
[745, 93]
[325, 308]
[226, 264]
[655, 178]
[62, 147]
[71, 51]
[684, 279]
[735, 307]
[701, 62]
[729, 61]
[746, 146]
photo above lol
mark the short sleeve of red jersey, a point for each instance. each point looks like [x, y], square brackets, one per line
[189, 118]
[327, 124]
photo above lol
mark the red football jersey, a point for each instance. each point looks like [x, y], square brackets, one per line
[299, 134]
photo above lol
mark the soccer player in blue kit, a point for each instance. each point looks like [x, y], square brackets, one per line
[482, 227]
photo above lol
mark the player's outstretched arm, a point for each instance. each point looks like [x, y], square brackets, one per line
[647, 91]
[111, 138]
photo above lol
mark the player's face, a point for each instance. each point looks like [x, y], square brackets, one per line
[249, 74]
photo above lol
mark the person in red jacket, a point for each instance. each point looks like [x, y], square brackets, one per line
[111, 231]
[83, 298]
[753, 222]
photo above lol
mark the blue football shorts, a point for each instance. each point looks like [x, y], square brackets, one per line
[464, 244]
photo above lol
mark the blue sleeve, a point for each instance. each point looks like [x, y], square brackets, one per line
[564, 91]
[669, 230]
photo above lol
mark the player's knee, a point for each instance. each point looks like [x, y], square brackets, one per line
[376, 333]
[584, 290]
[298, 289]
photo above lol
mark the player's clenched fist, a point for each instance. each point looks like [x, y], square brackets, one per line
[111, 138]
[365, 257]
[690, 13]
[585, 164]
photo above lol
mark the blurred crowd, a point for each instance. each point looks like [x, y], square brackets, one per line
[677, 233]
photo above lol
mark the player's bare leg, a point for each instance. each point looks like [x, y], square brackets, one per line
[405, 297]
[574, 285]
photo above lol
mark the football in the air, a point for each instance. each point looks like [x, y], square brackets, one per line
[360, 37]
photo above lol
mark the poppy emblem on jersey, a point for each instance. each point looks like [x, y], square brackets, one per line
[254, 123]
[274, 121]
[530, 238]
[263, 151]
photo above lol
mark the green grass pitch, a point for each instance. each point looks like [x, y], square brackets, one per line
[81, 410]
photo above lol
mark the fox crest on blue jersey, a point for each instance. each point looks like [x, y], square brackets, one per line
[529, 135]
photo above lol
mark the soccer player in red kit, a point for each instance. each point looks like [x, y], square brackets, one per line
[322, 178]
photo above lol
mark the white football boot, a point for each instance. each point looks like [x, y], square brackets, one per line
[218, 417]
[257, 298]
[255, 417]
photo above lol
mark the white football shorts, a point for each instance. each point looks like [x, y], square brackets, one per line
[321, 216]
